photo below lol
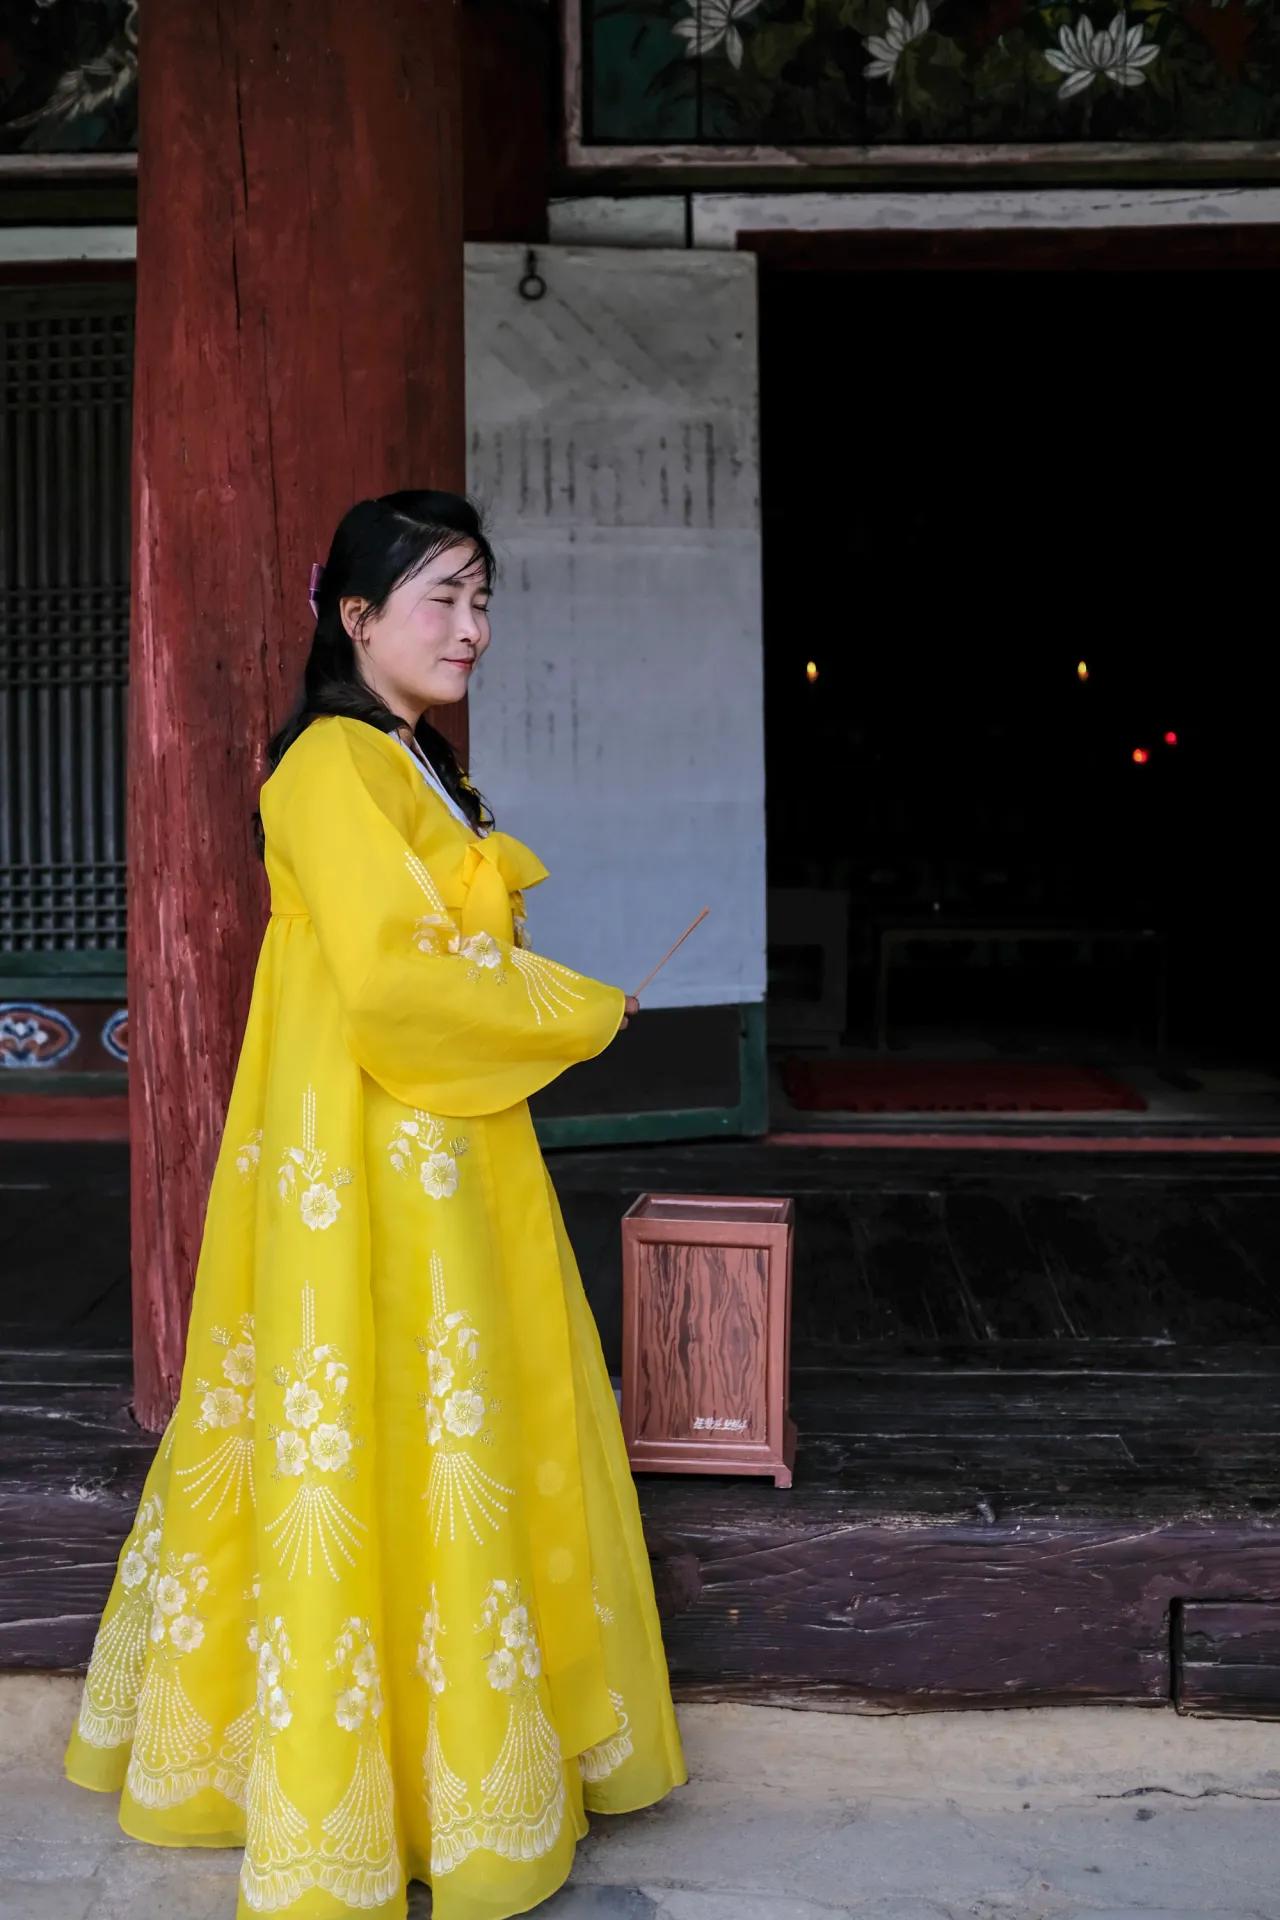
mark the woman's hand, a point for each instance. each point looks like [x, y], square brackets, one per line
[633, 1006]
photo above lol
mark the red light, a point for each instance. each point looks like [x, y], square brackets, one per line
[1171, 739]
[1140, 756]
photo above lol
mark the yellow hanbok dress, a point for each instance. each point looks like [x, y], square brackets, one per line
[385, 1611]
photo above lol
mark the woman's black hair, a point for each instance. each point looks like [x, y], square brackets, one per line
[378, 544]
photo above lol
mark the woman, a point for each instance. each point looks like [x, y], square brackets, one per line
[385, 1611]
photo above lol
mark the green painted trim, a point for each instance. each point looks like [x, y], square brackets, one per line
[53, 1081]
[72, 976]
[106, 960]
[753, 1056]
[612, 1129]
[750, 1115]
[76, 987]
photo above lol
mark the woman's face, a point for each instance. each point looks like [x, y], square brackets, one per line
[419, 652]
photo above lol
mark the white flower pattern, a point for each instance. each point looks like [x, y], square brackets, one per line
[598, 1762]
[225, 1470]
[457, 1406]
[455, 1831]
[330, 1447]
[1119, 53]
[109, 1703]
[359, 1861]
[902, 29]
[302, 1404]
[291, 1453]
[522, 1794]
[171, 1756]
[315, 1527]
[421, 1142]
[712, 24]
[464, 1412]
[248, 1156]
[302, 1175]
[238, 1364]
[186, 1632]
[278, 1864]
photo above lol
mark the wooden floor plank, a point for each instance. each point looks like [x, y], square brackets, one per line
[1038, 1399]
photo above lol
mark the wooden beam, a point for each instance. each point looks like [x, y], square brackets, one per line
[1227, 1658]
[1202, 247]
[507, 58]
[299, 344]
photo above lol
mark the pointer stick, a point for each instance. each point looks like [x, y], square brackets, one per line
[670, 950]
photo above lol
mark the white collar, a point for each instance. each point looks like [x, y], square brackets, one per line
[429, 773]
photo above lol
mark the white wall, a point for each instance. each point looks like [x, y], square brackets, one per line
[617, 721]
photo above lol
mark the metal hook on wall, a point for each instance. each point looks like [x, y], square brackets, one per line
[532, 285]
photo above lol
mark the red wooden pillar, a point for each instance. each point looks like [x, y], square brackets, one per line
[299, 344]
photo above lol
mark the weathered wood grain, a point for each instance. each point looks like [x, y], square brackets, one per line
[1227, 1657]
[1007, 1509]
[1042, 1563]
[299, 344]
[981, 1259]
[72, 1463]
[804, 1597]
[702, 1337]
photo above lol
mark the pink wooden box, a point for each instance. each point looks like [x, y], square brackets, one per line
[706, 1334]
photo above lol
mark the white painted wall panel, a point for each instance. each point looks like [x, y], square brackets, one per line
[617, 719]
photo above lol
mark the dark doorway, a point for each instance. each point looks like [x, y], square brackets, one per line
[1010, 517]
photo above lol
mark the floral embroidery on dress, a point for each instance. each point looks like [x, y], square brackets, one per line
[248, 1156]
[172, 1752]
[235, 1755]
[598, 1762]
[314, 1448]
[421, 1142]
[359, 1860]
[523, 1795]
[302, 1174]
[606, 1756]
[276, 1869]
[435, 932]
[456, 1407]
[484, 955]
[454, 1833]
[109, 1703]
[547, 983]
[227, 1468]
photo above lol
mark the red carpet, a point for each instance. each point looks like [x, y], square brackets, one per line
[954, 1086]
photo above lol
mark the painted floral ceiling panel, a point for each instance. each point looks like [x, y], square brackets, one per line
[851, 73]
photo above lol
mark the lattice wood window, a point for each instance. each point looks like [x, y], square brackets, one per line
[66, 377]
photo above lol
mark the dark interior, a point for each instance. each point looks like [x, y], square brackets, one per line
[973, 482]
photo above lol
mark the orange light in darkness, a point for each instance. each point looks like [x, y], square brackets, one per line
[811, 672]
[1082, 671]
[1140, 756]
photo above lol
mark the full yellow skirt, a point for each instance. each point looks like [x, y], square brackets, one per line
[385, 1612]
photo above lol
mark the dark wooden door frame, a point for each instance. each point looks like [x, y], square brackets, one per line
[1018, 249]
[44, 273]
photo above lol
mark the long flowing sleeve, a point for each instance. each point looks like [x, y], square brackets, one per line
[456, 1023]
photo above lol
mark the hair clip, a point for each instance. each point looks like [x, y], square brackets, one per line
[313, 588]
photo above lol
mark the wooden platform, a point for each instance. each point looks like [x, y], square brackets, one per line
[979, 1536]
[1038, 1403]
